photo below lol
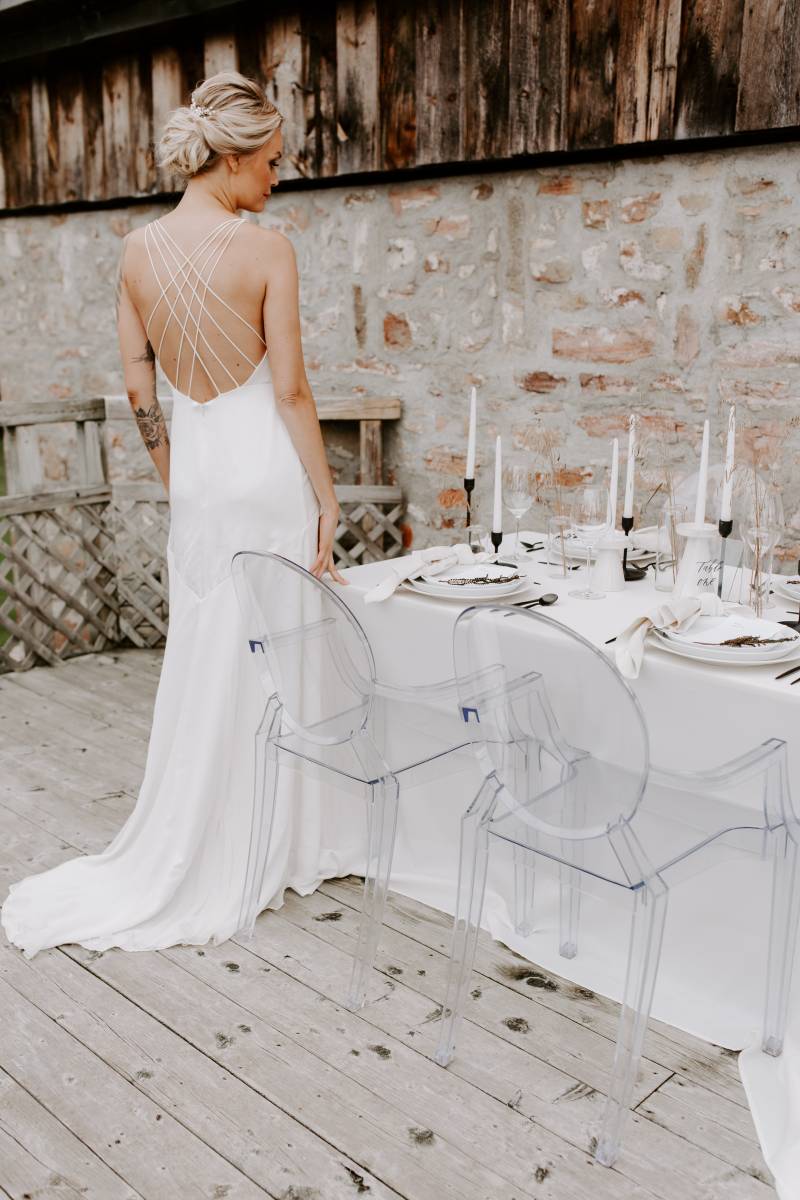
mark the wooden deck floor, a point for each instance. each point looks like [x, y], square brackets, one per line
[233, 1072]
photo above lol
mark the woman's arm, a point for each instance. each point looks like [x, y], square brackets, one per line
[293, 392]
[139, 369]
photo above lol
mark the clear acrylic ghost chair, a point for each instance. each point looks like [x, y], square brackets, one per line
[326, 712]
[595, 807]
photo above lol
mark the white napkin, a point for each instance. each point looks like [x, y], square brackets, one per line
[432, 561]
[679, 612]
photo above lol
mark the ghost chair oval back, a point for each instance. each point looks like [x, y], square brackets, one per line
[327, 714]
[564, 754]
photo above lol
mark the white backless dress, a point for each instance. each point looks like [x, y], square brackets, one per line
[174, 873]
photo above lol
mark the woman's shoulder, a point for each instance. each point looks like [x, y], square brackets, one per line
[269, 238]
[268, 249]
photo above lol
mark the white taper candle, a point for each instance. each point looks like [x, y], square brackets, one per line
[727, 480]
[627, 510]
[613, 485]
[473, 412]
[702, 480]
[497, 511]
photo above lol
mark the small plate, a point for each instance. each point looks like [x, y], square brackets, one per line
[576, 549]
[438, 585]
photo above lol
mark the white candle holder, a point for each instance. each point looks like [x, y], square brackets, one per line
[607, 575]
[697, 573]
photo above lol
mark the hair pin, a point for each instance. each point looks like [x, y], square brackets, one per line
[200, 110]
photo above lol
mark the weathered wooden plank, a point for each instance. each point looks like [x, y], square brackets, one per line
[486, 79]
[140, 99]
[44, 143]
[138, 1139]
[357, 85]
[40, 1157]
[594, 43]
[93, 142]
[131, 714]
[318, 33]
[70, 134]
[647, 63]
[118, 146]
[666, 1108]
[169, 92]
[23, 461]
[397, 83]
[220, 53]
[282, 71]
[708, 67]
[769, 65]
[538, 65]
[371, 452]
[16, 142]
[41, 501]
[441, 97]
[52, 411]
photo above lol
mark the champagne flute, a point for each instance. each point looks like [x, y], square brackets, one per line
[590, 521]
[517, 493]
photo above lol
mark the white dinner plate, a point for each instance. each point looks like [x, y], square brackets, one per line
[703, 640]
[576, 549]
[789, 591]
[439, 585]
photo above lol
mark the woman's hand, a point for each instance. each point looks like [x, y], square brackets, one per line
[328, 520]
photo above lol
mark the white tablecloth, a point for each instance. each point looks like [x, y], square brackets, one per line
[698, 714]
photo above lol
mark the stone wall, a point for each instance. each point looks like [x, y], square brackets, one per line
[568, 297]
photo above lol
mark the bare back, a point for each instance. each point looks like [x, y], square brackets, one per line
[201, 302]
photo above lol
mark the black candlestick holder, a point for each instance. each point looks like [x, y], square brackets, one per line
[469, 487]
[496, 540]
[793, 624]
[725, 529]
[629, 573]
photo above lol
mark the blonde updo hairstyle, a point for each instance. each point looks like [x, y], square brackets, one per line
[227, 114]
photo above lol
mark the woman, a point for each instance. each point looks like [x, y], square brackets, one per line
[214, 300]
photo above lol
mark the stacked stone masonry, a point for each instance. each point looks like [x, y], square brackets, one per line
[569, 297]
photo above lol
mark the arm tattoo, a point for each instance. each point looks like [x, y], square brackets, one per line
[152, 425]
[148, 355]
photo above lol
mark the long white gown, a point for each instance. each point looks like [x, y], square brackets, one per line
[174, 873]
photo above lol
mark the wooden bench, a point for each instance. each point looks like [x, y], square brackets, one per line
[83, 567]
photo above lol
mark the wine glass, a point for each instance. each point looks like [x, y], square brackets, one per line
[590, 521]
[760, 541]
[517, 493]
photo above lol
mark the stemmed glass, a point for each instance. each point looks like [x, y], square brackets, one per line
[517, 493]
[590, 520]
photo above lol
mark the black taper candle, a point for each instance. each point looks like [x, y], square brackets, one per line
[469, 487]
[629, 573]
[725, 530]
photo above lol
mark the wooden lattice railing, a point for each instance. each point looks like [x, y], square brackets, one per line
[84, 568]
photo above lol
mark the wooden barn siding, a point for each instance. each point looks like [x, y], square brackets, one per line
[371, 85]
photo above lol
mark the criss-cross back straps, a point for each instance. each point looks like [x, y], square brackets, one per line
[193, 272]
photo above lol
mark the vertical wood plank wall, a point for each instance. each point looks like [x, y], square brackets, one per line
[371, 85]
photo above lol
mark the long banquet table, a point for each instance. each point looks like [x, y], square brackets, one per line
[698, 715]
